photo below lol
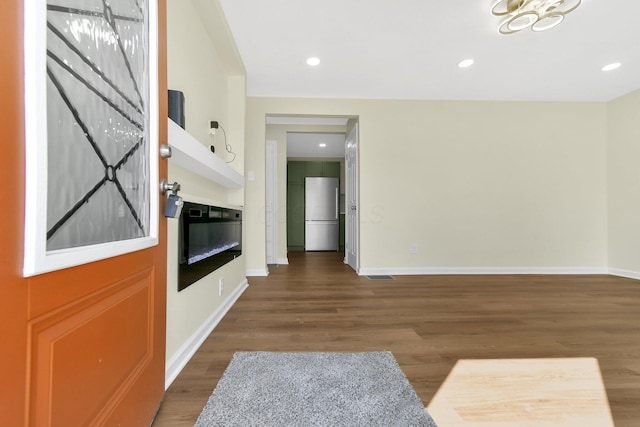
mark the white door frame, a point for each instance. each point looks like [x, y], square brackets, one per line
[271, 202]
[352, 221]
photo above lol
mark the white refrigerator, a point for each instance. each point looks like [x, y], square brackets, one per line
[322, 220]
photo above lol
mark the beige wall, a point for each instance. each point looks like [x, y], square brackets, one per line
[624, 182]
[198, 65]
[473, 184]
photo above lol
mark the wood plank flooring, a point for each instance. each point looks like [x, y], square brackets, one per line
[429, 323]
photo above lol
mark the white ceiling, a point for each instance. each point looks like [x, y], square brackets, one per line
[409, 49]
[306, 145]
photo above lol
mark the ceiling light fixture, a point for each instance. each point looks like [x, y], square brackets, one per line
[539, 15]
[611, 67]
[313, 61]
[322, 145]
[465, 63]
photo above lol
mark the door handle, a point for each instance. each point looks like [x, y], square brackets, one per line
[165, 187]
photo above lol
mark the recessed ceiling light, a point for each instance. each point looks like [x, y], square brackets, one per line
[322, 145]
[465, 63]
[313, 61]
[611, 67]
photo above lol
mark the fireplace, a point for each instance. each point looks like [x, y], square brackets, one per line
[210, 237]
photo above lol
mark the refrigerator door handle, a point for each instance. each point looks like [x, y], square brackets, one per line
[337, 201]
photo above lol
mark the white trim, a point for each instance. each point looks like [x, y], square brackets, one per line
[480, 270]
[179, 360]
[306, 120]
[352, 199]
[283, 261]
[624, 273]
[271, 198]
[37, 259]
[263, 272]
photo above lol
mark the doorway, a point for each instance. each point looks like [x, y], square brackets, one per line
[289, 135]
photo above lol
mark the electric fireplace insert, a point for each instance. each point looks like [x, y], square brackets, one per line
[210, 237]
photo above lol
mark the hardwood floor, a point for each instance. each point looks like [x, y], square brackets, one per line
[429, 323]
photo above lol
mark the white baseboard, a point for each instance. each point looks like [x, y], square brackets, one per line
[624, 273]
[283, 261]
[480, 270]
[188, 349]
[258, 272]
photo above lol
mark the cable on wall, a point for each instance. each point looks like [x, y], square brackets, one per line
[228, 146]
[215, 125]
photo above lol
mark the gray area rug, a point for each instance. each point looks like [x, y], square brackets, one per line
[314, 389]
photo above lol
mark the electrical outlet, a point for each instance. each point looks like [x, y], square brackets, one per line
[220, 287]
[413, 249]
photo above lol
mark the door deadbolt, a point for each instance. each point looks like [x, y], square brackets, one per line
[165, 151]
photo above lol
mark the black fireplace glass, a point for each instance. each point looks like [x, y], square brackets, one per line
[209, 237]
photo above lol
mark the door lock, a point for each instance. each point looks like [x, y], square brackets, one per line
[165, 151]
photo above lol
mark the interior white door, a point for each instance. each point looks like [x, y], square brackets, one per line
[271, 202]
[352, 222]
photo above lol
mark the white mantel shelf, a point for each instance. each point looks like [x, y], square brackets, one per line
[191, 155]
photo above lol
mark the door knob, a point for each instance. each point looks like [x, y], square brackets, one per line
[165, 187]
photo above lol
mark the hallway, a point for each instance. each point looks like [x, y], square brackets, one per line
[428, 322]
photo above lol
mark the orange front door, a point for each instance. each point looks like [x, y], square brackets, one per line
[85, 345]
